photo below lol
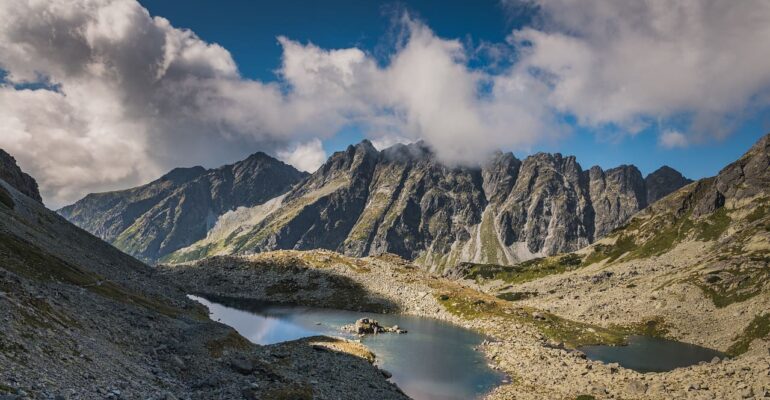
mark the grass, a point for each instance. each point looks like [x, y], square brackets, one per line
[712, 227]
[525, 271]
[757, 329]
[516, 296]
[232, 340]
[741, 283]
[30, 261]
[639, 240]
[469, 304]
[290, 392]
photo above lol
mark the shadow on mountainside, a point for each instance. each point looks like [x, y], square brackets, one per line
[289, 281]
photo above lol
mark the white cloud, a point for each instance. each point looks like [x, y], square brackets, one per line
[134, 96]
[672, 139]
[631, 62]
[306, 156]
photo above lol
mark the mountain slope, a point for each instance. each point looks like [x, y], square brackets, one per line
[80, 319]
[697, 261]
[402, 200]
[14, 176]
[179, 208]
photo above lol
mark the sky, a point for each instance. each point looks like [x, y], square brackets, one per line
[100, 95]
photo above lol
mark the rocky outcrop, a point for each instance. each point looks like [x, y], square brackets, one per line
[14, 176]
[179, 209]
[663, 181]
[368, 326]
[404, 201]
[81, 319]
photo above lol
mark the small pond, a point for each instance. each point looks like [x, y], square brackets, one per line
[650, 354]
[435, 360]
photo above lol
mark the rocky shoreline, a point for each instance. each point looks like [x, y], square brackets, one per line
[81, 320]
[531, 346]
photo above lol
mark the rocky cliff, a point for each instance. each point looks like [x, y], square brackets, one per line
[663, 181]
[179, 208]
[80, 319]
[402, 200]
[14, 176]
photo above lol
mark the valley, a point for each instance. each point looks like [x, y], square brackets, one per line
[691, 267]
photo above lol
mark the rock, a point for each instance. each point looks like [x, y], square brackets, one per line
[18, 179]
[636, 387]
[191, 199]
[386, 374]
[366, 326]
[242, 366]
[178, 362]
[538, 316]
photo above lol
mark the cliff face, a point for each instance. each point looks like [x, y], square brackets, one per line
[178, 209]
[402, 200]
[14, 176]
[663, 181]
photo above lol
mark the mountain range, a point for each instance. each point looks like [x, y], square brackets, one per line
[179, 208]
[362, 201]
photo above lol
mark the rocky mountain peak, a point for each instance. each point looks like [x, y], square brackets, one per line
[662, 182]
[179, 209]
[181, 175]
[14, 176]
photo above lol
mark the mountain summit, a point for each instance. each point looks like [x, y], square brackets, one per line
[179, 208]
[403, 200]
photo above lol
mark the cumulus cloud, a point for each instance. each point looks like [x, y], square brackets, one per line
[671, 139]
[630, 63]
[306, 156]
[126, 96]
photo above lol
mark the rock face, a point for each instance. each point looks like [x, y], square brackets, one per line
[81, 319]
[178, 209]
[368, 326]
[14, 176]
[663, 181]
[402, 200]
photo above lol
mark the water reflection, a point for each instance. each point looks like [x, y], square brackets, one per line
[435, 360]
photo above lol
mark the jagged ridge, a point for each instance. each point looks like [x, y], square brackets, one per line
[402, 200]
[179, 208]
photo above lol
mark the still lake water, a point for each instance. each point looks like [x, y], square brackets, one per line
[435, 360]
[649, 354]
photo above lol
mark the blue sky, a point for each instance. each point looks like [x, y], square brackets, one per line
[109, 94]
[249, 29]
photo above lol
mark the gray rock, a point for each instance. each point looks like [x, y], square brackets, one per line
[18, 179]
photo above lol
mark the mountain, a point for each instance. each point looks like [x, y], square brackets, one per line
[14, 176]
[402, 200]
[81, 319]
[663, 181]
[179, 208]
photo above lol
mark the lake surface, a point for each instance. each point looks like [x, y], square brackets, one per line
[435, 360]
[649, 354]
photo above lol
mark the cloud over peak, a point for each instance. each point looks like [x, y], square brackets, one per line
[127, 96]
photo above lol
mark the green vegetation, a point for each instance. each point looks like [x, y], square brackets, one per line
[525, 271]
[232, 340]
[736, 284]
[757, 329]
[28, 260]
[516, 296]
[761, 211]
[469, 304]
[622, 245]
[291, 392]
[712, 227]
[5, 198]
[644, 239]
